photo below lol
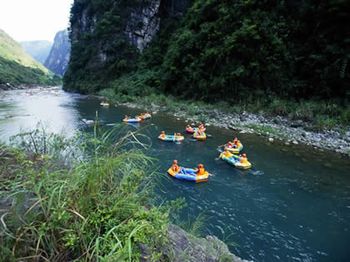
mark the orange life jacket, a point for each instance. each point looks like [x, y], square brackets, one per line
[243, 160]
[175, 167]
[200, 171]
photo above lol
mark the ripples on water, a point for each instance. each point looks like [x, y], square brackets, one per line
[294, 205]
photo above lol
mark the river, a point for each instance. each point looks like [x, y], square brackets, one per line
[294, 205]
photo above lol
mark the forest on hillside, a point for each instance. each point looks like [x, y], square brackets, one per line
[230, 51]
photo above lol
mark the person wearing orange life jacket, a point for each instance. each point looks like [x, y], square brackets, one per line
[226, 153]
[236, 143]
[200, 170]
[229, 144]
[243, 159]
[175, 167]
[201, 127]
[162, 134]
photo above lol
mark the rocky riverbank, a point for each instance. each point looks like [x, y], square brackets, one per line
[186, 247]
[8, 86]
[273, 128]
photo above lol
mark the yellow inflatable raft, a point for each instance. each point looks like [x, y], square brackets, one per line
[235, 161]
[200, 137]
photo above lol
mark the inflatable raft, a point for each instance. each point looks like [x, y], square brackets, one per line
[200, 137]
[234, 160]
[145, 116]
[171, 138]
[188, 174]
[234, 150]
[104, 104]
[132, 120]
[192, 130]
[88, 122]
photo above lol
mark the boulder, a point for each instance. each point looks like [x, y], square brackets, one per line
[186, 247]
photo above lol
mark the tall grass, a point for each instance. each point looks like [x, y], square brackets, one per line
[97, 209]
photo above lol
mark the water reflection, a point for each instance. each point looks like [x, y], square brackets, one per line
[23, 109]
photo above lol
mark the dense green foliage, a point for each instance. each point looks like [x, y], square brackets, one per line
[253, 54]
[236, 49]
[96, 209]
[17, 67]
[15, 73]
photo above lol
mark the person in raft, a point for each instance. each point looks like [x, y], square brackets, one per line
[199, 132]
[236, 142]
[201, 126]
[175, 167]
[243, 159]
[126, 117]
[200, 170]
[226, 153]
[162, 134]
[229, 144]
[177, 134]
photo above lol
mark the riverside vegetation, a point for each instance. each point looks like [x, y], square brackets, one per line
[275, 58]
[89, 198]
[93, 207]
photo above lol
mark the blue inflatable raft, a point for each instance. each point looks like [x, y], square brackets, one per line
[188, 174]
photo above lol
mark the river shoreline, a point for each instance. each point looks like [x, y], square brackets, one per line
[272, 128]
[289, 132]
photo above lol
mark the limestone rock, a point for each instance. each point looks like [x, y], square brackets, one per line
[58, 59]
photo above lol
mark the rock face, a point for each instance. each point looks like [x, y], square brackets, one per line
[143, 25]
[107, 37]
[39, 50]
[144, 21]
[58, 59]
[185, 247]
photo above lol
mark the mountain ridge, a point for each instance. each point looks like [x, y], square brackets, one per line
[38, 49]
[17, 67]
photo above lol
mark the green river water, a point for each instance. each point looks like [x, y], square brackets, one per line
[294, 205]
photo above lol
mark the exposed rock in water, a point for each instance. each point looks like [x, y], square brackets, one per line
[58, 59]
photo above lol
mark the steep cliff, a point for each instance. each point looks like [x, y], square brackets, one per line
[39, 50]
[58, 59]
[108, 36]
